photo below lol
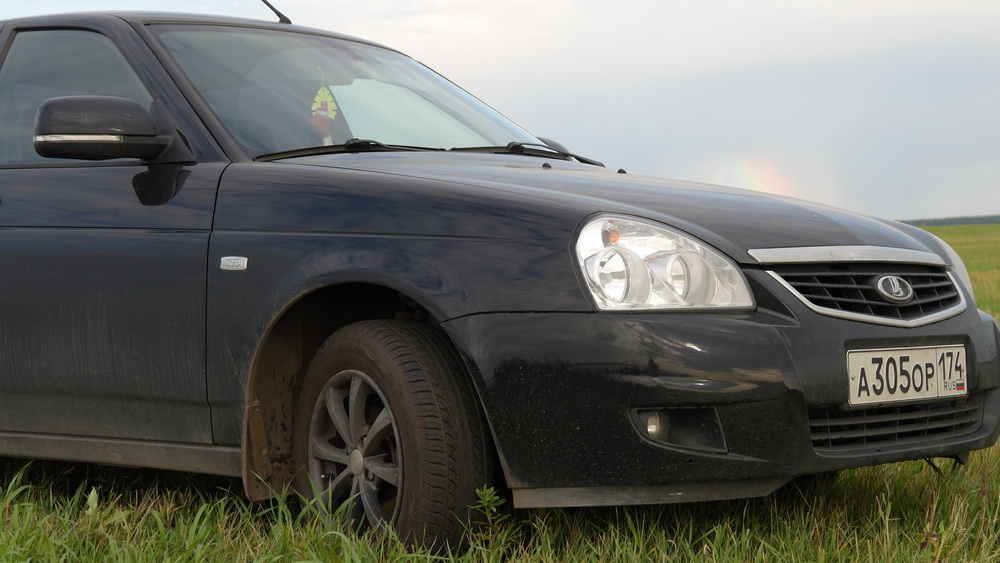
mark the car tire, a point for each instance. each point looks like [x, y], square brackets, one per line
[388, 431]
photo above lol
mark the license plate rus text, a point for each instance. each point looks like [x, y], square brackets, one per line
[906, 374]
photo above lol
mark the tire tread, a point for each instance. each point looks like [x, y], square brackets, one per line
[447, 421]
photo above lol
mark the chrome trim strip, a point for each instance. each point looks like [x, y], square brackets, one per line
[871, 319]
[807, 254]
[78, 138]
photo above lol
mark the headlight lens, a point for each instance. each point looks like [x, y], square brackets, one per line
[634, 264]
[960, 270]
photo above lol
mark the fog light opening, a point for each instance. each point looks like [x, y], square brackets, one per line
[692, 428]
[657, 424]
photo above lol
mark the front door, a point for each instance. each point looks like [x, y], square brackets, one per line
[102, 264]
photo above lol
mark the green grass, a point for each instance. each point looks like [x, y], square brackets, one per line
[902, 512]
[979, 247]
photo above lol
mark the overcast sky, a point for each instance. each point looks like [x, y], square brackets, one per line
[885, 107]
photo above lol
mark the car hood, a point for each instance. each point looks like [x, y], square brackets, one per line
[734, 220]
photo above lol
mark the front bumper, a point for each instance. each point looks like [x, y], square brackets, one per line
[565, 396]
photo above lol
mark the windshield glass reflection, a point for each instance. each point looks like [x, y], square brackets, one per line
[278, 91]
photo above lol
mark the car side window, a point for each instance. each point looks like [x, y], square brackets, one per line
[50, 63]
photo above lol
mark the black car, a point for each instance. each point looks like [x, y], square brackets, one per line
[260, 250]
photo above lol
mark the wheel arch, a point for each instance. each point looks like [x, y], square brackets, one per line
[282, 357]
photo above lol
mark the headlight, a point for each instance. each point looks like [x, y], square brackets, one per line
[960, 270]
[633, 264]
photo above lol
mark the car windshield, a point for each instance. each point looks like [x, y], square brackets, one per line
[277, 91]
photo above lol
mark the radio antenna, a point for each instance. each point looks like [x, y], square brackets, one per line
[281, 17]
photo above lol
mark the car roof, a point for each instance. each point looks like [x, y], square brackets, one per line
[149, 17]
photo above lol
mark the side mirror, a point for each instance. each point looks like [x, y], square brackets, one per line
[96, 128]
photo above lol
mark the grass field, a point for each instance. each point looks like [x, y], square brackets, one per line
[979, 247]
[901, 512]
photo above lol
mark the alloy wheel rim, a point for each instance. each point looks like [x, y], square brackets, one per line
[354, 453]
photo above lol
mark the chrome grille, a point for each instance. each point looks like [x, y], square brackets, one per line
[836, 431]
[849, 290]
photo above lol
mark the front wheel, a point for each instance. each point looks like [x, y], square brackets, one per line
[388, 429]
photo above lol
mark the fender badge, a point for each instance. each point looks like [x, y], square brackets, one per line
[233, 263]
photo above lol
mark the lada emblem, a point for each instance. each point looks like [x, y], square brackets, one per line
[894, 289]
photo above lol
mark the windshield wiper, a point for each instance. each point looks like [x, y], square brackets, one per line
[349, 146]
[533, 149]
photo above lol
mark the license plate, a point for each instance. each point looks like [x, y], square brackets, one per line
[906, 374]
